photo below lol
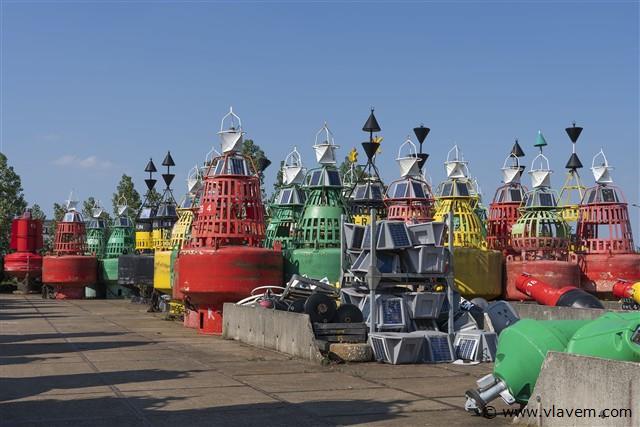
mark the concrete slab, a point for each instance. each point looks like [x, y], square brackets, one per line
[360, 402]
[310, 381]
[103, 363]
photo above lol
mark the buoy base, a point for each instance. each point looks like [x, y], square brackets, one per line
[63, 292]
[209, 320]
[191, 319]
[556, 274]
[601, 271]
[115, 291]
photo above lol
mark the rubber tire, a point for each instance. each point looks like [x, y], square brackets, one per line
[320, 308]
[297, 306]
[349, 313]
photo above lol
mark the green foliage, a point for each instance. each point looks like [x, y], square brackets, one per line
[153, 197]
[37, 212]
[87, 205]
[12, 201]
[58, 212]
[127, 189]
[257, 155]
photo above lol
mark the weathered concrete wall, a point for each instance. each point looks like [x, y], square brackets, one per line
[543, 312]
[568, 381]
[287, 332]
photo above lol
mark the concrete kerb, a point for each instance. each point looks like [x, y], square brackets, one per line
[283, 331]
[589, 384]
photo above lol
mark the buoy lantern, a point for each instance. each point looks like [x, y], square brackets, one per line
[224, 259]
[504, 211]
[68, 269]
[409, 198]
[367, 189]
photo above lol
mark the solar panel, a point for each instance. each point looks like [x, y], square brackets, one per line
[418, 190]
[446, 189]
[440, 349]
[366, 241]
[399, 234]
[360, 189]
[608, 195]
[315, 177]
[516, 195]
[146, 213]
[401, 190]
[466, 348]
[378, 349]
[237, 166]
[546, 199]
[462, 189]
[285, 196]
[334, 178]
[218, 168]
[392, 312]
[376, 192]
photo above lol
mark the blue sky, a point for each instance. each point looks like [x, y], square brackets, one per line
[90, 90]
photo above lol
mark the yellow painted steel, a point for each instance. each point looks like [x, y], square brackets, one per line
[467, 231]
[144, 240]
[636, 292]
[161, 239]
[570, 197]
[162, 271]
[365, 219]
[478, 272]
[181, 228]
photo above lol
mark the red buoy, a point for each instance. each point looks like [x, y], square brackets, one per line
[68, 270]
[605, 241]
[565, 296]
[540, 237]
[410, 198]
[625, 289]
[25, 264]
[224, 261]
[504, 211]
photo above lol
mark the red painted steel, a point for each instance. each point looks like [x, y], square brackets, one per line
[208, 288]
[26, 241]
[68, 270]
[556, 274]
[411, 209]
[605, 241]
[223, 260]
[626, 289]
[502, 216]
[541, 291]
[601, 271]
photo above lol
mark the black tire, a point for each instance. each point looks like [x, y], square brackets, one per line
[349, 313]
[297, 306]
[320, 308]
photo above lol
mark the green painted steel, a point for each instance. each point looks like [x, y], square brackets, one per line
[522, 348]
[283, 219]
[97, 237]
[316, 263]
[317, 252]
[609, 337]
[121, 242]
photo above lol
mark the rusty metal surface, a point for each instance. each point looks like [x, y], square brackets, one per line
[70, 270]
[555, 273]
[601, 271]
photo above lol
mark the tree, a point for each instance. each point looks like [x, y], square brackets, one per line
[12, 201]
[259, 158]
[37, 213]
[127, 189]
[49, 227]
[87, 206]
[153, 197]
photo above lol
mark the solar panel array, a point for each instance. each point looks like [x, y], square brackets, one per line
[399, 234]
[466, 348]
[440, 349]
